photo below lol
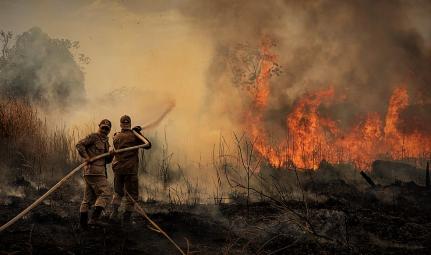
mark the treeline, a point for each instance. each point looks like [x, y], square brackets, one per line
[45, 71]
[37, 73]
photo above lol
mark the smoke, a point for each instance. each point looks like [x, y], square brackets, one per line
[362, 48]
[200, 54]
[43, 70]
[414, 118]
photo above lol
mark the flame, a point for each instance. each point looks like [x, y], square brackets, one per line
[307, 128]
[261, 90]
[311, 138]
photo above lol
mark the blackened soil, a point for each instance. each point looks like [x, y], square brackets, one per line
[50, 231]
[394, 219]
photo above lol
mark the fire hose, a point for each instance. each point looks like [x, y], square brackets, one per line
[75, 170]
[156, 228]
[60, 183]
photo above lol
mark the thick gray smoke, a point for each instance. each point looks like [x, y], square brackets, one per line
[43, 70]
[364, 49]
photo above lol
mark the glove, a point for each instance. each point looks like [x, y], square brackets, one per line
[137, 128]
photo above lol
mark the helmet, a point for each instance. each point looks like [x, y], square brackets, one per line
[105, 123]
[125, 119]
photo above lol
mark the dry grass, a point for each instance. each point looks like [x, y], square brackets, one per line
[29, 148]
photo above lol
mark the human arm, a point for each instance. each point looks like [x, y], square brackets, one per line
[82, 145]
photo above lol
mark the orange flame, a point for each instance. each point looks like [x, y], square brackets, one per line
[311, 138]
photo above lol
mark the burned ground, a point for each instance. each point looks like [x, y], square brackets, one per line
[337, 216]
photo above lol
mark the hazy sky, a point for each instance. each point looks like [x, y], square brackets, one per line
[154, 56]
[144, 50]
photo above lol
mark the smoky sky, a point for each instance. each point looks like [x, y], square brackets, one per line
[43, 70]
[184, 50]
[364, 49]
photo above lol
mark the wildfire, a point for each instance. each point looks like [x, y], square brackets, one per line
[261, 91]
[311, 138]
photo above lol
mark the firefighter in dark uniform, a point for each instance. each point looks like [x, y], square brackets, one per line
[97, 192]
[125, 167]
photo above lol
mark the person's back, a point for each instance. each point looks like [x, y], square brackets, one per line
[126, 163]
[125, 167]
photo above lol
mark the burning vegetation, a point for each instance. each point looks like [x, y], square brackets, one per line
[327, 150]
[310, 137]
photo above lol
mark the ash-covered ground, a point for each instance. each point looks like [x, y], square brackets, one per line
[333, 212]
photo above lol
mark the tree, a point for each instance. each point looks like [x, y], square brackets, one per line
[5, 37]
[41, 69]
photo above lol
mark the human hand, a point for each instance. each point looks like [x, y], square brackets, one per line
[137, 128]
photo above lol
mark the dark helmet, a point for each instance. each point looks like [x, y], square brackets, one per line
[105, 123]
[125, 119]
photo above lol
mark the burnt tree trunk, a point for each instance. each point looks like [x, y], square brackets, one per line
[368, 179]
[427, 175]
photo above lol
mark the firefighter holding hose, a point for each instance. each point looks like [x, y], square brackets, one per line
[125, 167]
[97, 192]
[95, 150]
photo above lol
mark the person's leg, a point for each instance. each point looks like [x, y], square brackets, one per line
[103, 196]
[118, 195]
[87, 201]
[131, 185]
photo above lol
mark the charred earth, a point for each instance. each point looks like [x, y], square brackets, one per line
[335, 212]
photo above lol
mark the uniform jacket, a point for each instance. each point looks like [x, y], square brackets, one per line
[91, 146]
[126, 162]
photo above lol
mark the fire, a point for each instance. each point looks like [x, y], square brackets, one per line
[311, 138]
[261, 90]
[308, 127]
[399, 101]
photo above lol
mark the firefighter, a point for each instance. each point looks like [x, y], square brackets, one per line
[125, 167]
[97, 192]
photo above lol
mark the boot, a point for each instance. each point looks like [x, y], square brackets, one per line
[95, 217]
[127, 223]
[113, 217]
[83, 220]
